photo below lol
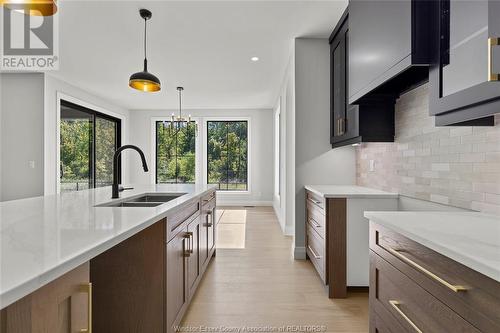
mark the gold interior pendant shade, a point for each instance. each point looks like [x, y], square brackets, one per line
[145, 81]
[32, 7]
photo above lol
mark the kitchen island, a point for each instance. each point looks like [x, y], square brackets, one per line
[43, 239]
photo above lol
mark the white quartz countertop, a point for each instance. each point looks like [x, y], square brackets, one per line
[348, 191]
[43, 238]
[470, 238]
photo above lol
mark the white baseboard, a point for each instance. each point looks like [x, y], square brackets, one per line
[289, 230]
[299, 252]
[232, 203]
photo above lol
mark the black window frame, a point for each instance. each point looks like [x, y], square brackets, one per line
[92, 158]
[193, 122]
[247, 159]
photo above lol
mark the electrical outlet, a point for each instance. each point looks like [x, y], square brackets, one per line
[372, 165]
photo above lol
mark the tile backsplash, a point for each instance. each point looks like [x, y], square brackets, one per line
[458, 166]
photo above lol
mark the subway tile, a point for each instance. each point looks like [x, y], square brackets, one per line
[458, 166]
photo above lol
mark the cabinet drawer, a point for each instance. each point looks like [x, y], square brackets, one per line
[208, 205]
[316, 252]
[316, 219]
[385, 325]
[207, 198]
[472, 295]
[415, 309]
[317, 200]
[182, 214]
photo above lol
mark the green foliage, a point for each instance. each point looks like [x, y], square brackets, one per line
[175, 152]
[76, 151]
[227, 152]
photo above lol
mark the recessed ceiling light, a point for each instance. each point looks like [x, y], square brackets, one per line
[254, 59]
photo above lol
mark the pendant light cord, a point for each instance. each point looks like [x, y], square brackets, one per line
[145, 50]
[180, 104]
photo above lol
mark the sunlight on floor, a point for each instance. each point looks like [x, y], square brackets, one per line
[231, 228]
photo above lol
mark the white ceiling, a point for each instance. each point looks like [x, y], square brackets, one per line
[204, 46]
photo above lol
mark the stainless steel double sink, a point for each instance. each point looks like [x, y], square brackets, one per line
[146, 200]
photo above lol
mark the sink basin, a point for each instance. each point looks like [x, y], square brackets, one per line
[133, 204]
[156, 197]
[147, 200]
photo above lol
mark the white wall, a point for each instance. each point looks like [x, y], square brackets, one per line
[260, 150]
[1, 99]
[315, 160]
[55, 87]
[283, 207]
[21, 135]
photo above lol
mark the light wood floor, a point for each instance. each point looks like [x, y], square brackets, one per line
[257, 283]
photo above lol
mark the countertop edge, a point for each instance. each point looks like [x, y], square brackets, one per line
[354, 196]
[29, 286]
[450, 253]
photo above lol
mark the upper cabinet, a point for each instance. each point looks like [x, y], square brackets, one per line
[370, 121]
[464, 87]
[389, 42]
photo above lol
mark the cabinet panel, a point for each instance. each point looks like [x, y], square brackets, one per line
[464, 81]
[379, 39]
[60, 307]
[193, 259]
[129, 280]
[203, 244]
[211, 230]
[176, 266]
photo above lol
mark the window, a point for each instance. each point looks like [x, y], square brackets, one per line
[88, 142]
[227, 155]
[175, 152]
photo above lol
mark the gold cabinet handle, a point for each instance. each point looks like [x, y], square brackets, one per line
[395, 305]
[87, 288]
[313, 253]
[455, 288]
[492, 41]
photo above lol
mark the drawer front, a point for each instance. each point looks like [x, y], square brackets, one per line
[182, 214]
[415, 309]
[472, 295]
[208, 205]
[316, 200]
[386, 325]
[207, 197]
[316, 219]
[316, 252]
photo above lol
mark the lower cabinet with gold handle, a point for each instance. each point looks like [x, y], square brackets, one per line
[416, 289]
[62, 306]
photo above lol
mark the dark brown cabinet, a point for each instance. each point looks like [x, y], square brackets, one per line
[128, 283]
[145, 283]
[59, 307]
[177, 292]
[193, 255]
[372, 119]
[464, 81]
[415, 289]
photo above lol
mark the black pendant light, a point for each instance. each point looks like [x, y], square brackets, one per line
[32, 7]
[145, 81]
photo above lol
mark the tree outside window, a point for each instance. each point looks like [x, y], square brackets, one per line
[227, 155]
